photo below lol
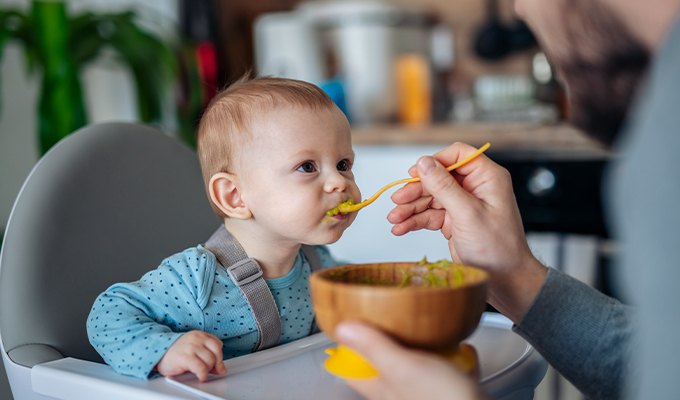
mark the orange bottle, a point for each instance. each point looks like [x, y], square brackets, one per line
[414, 89]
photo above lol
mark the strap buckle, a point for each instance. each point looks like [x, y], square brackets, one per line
[244, 272]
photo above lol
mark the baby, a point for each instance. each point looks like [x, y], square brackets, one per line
[276, 154]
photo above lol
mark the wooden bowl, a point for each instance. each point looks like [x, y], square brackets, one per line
[430, 318]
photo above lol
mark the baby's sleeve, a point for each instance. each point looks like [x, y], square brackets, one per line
[128, 340]
[132, 325]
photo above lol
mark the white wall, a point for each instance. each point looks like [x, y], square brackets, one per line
[18, 142]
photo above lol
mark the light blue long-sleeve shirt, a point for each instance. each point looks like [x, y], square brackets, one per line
[133, 324]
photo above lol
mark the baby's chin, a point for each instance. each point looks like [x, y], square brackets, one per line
[329, 239]
[333, 236]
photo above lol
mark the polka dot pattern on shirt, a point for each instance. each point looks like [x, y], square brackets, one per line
[133, 324]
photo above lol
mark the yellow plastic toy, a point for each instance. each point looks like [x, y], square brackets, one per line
[348, 364]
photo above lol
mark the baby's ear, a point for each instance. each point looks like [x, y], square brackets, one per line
[224, 193]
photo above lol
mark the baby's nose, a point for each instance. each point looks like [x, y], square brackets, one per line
[335, 183]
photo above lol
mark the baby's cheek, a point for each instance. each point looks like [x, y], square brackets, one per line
[357, 193]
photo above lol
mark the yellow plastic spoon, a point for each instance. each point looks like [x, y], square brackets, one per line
[349, 205]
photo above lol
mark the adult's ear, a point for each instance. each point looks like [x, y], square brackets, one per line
[224, 193]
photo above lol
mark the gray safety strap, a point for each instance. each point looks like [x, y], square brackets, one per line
[312, 257]
[246, 273]
[314, 265]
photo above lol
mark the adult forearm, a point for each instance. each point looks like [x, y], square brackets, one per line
[513, 293]
[582, 333]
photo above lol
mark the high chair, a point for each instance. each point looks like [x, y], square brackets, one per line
[106, 204]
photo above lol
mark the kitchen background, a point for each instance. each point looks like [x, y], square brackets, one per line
[412, 76]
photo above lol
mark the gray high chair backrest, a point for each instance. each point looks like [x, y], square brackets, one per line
[104, 205]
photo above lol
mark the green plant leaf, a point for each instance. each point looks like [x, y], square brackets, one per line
[130, 44]
[86, 38]
[190, 101]
[4, 32]
[61, 109]
[14, 26]
[59, 46]
[150, 61]
[4, 35]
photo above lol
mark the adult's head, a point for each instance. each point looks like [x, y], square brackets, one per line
[597, 55]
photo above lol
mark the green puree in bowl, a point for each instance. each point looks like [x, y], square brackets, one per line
[442, 273]
[439, 274]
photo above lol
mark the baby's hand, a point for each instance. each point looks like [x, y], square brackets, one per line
[197, 352]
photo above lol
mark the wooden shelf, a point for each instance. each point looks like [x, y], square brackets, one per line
[559, 140]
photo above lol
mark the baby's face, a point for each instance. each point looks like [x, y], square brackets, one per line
[296, 166]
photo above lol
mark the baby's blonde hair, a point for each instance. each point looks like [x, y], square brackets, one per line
[225, 124]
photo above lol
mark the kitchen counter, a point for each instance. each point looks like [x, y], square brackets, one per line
[515, 139]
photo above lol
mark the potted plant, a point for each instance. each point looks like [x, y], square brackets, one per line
[58, 46]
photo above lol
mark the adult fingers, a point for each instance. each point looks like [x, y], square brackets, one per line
[408, 193]
[448, 156]
[455, 153]
[381, 351]
[437, 181]
[430, 219]
[405, 211]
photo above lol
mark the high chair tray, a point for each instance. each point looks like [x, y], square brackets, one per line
[510, 369]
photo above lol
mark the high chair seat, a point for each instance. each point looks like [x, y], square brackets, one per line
[104, 205]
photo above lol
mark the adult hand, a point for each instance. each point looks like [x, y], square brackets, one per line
[475, 209]
[404, 373]
[197, 352]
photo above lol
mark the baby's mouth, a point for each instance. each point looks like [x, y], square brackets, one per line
[341, 209]
[339, 217]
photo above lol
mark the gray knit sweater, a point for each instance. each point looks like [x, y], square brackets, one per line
[597, 343]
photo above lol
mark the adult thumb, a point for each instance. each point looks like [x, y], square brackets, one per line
[376, 347]
[438, 182]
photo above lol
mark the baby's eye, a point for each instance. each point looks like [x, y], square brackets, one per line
[307, 167]
[344, 165]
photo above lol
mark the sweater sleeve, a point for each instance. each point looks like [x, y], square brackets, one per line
[132, 325]
[583, 334]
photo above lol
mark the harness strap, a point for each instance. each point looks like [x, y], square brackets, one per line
[314, 265]
[312, 257]
[246, 273]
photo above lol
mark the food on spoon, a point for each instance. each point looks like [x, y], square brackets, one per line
[343, 208]
[349, 206]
